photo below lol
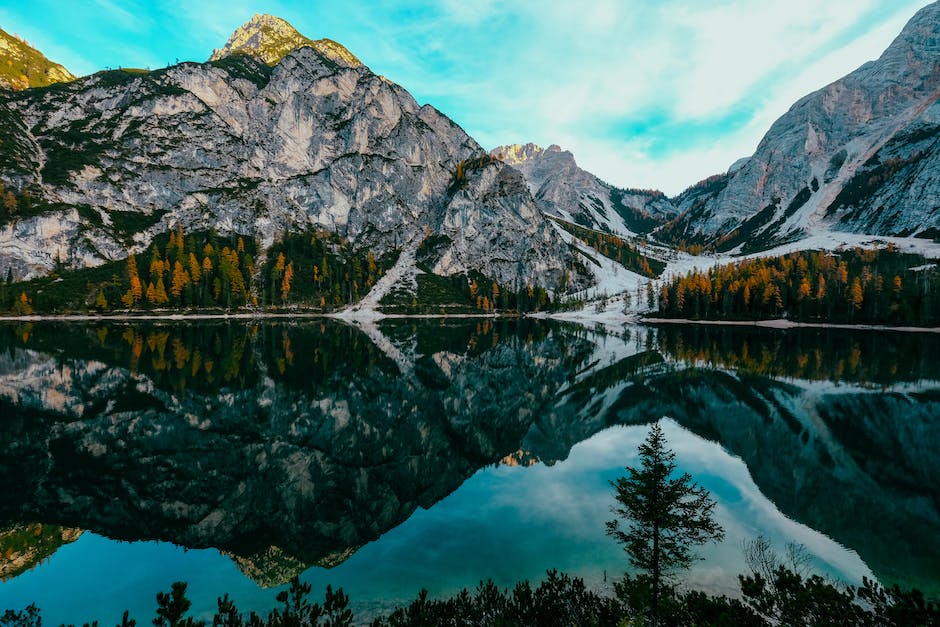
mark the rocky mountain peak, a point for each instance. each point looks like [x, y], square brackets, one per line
[22, 66]
[514, 154]
[271, 38]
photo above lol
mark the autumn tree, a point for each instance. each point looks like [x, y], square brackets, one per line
[180, 280]
[159, 293]
[286, 281]
[660, 517]
[101, 303]
[9, 203]
[136, 288]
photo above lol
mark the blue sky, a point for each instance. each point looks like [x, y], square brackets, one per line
[646, 93]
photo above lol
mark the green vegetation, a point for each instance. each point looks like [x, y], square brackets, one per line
[636, 220]
[664, 516]
[468, 293]
[615, 248]
[855, 286]
[784, 597]
[318, 271]
[321, 270]
[23, 66]
[246, 67]
[201, 270]
[24, 546]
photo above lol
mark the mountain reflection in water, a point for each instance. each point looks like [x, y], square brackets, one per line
[290, 445]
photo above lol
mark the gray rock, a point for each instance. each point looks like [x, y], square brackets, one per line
[316, 142]
[859, 155]
[563, 189]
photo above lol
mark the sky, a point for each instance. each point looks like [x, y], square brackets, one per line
[652, 94]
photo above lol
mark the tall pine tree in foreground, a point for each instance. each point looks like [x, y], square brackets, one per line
[661, 517]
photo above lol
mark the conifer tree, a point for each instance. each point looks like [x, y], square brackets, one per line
[660, 516]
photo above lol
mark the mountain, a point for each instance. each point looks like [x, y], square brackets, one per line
[860, 155]
[315, 141]
[563, 189]
[270, 39]
[23, 66]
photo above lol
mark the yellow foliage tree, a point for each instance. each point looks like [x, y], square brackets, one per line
[101, 303]
[285, 282]
[180, 279]
[136, 288]
[159, 293]
[194, 269]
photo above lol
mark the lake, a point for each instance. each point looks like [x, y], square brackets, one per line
[390, 457]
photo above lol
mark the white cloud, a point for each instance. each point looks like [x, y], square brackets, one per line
[583, 76]
[646, 93]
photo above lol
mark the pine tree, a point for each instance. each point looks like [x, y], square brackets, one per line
[194, 270]
[664, 515]
[159, 293]
[101, 303]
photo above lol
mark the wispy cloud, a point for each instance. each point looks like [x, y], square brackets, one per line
[646, 93]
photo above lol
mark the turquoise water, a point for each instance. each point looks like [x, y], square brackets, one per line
[594, 397]
[504, 523]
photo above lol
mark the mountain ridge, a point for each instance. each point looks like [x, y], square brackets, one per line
[27, 67]
[271, 38]
[237, 145]
[856, 155]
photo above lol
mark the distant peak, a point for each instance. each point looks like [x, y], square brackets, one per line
[270, 39]
[517, 153]
[22, 66]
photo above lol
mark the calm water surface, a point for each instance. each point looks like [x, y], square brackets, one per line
[434, 454]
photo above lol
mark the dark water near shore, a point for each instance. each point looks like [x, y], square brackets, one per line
[427, 453]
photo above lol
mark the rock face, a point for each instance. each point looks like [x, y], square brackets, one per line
[315, 142]
[23, 66]
[270, 39]
[563, 189]
[859, 155]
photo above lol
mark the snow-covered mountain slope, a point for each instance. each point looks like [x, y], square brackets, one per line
[860, 155]
[317, 141]
[563, 189]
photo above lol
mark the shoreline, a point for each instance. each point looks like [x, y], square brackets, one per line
[783, 324]
[371, 315]
[244, 315]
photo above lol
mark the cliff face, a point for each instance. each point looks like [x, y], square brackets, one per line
[859, 155]
[315, 142]
[563, 189]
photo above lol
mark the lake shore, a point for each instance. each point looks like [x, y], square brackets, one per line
[779, 323]
[579, 317]
[244, 315]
